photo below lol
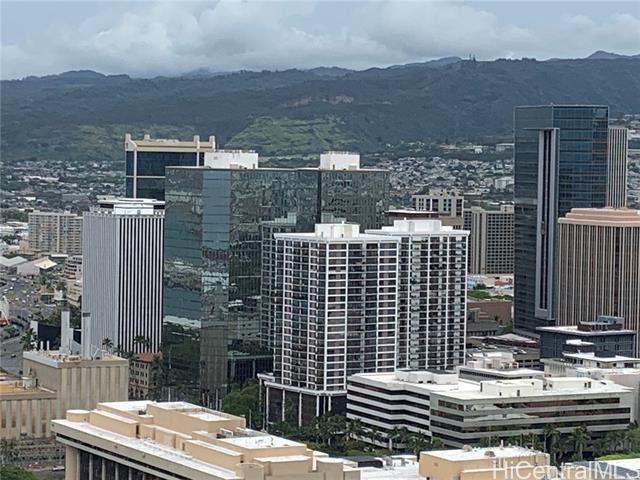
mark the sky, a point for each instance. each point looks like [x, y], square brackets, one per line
[149, 38]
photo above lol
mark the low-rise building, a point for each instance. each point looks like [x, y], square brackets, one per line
[143, 375]
[605, 333]
[26, 410]
[78, 382]
[463, 412]
[497, 309]
[177, 440]
[495, 365]
[499, 463]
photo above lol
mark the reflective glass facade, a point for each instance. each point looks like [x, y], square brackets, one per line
[215, 222]
[145, 170]
[560, 164]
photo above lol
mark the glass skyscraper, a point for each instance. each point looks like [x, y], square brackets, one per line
[560, 164]
[147, 159]
[215, 224]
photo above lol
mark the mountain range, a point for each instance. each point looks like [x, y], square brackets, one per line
[83, 115]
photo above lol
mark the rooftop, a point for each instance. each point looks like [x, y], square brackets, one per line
[335, 231]
[186, 438]
[11, 262]
[58, 359]
[418, 227]
[164, 144]
[467, 454]
[573, 330]
[614, 217]
[593, 356]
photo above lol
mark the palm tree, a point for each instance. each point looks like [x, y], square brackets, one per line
[142, 341]
[107, 344]
[437, 444]
[393, 437]
[354, 428]
[28, 340]
[551, 440]
[579, 439]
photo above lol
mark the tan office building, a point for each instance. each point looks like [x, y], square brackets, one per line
[25, 409]
[177, 440]
[491, 240]
[499, 463]
[448, 204]
[78, 382]
[55, 232]
[599, 266]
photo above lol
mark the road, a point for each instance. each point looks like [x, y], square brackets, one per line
[11, 355]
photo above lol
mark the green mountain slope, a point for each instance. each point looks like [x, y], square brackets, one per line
[83, 115]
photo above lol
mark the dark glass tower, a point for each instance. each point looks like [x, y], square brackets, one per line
[560, 164]
[215, 224]
[147, 159]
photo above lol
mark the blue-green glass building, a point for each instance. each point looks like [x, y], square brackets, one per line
[560, 164]
[215, 223]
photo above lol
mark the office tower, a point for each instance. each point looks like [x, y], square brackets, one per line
[147, 159]
[216, 218]
[55, 232]
[146, 440]
[560, 164]
[490, 240]
[432, 293]
[339, 292]
[617, 167]
[599, 266]
[122, 273]
[449, 204]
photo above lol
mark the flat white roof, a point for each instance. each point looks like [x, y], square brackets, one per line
[460, 455]
[260, 441]
[592, 356]
[573, 330]
[400, 469]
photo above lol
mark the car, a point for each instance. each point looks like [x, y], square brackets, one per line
[14, 355]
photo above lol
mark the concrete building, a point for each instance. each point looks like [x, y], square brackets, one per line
[449, 204]
[432, 293]
[497, 309]
[617, 167]
[462, 412]
[606, 334]
[490, 240]
[338, 288]
[122, 273]
[554, 145]
[78, 381]
[496, 463]
[146, 160]
[55, 232]
[496, 365]
[598, 266]
[26, 410]
[143, 375]
[173, 441]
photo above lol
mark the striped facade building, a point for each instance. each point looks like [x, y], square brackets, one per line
[122, 268]
[599, 266]
[617, 167]
[338, 290]
[55, 232]
[490, 240]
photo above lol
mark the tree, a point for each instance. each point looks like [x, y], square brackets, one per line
[28, 340]
[245, 401]
[142, 341]
[107, 344]
[8, 472]
[579, 440]
[551, 440]
[8, 451]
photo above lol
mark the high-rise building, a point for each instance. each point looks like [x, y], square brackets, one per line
[449, 205]
[490, 240]
[146, 160]
[560, 164]
[432, 293]
[55, 232]
[617, 167]
[599, 266]
[122, 273]
[217, 219]
[339, 294]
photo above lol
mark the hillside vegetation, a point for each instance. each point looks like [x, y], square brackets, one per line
[82, 116]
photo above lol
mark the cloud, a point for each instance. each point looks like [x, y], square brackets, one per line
[167, 38]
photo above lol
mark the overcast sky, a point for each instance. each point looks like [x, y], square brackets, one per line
[148, 38]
